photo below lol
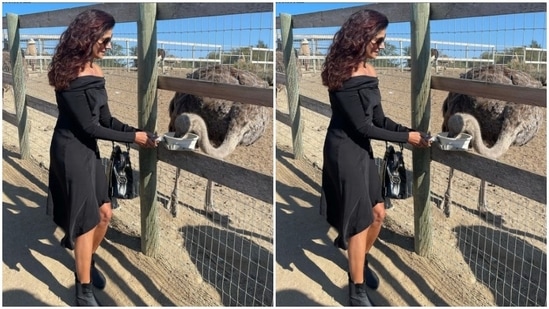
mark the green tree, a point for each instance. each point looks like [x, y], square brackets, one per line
[407, 51]
[389, 50]
[520, 54]
[116, 50]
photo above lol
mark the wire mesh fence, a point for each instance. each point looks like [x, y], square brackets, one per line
[242, 40]
[229, 249]
[504, 249]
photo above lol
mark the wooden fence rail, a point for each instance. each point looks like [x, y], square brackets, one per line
[249, 182]
[128, 12]
[422, 82]
[508, 177]
[146, 15]
[238, 93]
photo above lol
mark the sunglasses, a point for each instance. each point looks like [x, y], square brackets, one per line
[105, 42]
[379, 41]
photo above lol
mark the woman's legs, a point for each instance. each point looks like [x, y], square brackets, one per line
[86, 244]
[356, 253]
[105, 214]
[375, 227]
[83, 249]
[361, 243]
[82, 256]
[370, 277]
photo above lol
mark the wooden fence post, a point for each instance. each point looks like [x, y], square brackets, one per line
[292, 83]
[147, 79]
[421, 116]
[19, 88]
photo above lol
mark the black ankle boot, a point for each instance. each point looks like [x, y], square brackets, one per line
[84, 295]
[97, 277]
[370, 277]
[358, 295]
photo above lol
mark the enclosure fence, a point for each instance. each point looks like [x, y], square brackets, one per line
[224, 257]
[505, 251]
[400, 58]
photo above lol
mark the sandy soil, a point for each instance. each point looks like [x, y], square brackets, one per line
[224, 260]
[473, 262]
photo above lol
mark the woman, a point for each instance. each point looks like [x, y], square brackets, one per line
[351, 186]
[78, 190]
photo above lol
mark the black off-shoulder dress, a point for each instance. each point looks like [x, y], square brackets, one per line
[77, 180]
[351, 184]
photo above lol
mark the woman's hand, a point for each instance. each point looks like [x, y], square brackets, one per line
[145, 139]
[418, 139]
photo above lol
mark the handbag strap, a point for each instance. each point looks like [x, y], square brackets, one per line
[110, 127]
[400, 144]
[127, 146]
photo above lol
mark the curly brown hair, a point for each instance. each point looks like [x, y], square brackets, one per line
[75, 47]
[348, 50]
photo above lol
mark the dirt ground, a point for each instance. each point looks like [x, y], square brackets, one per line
[200, 261]
[310, 271]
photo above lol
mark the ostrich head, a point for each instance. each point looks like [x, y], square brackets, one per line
[181, 125]
[189, 122]
[467, 123]
[458, 123]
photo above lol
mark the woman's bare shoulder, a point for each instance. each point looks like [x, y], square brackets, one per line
[371, 71]
[92, 70]
[365, 70]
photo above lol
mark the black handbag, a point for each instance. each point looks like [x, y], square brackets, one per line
[123, 184]
[394, 182]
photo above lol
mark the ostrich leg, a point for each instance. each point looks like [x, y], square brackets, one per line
[481, 204]
[208, 203]
[174, 200]
[447, 195]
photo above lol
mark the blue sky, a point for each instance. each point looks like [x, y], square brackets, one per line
[502, 32]
[229, 32]
[36, 7]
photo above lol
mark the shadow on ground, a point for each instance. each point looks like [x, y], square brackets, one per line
[512, 267]
[23, 249]
[294, 247]
[239, 269]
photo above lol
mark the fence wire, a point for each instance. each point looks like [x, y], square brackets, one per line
[504, 253]
[229, 251]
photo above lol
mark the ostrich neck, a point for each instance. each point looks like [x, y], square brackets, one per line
[226, 148]
[503, 143]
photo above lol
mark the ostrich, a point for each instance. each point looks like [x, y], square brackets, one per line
[434, 54]
[495, 125]
[434, 58]
[221, 125]
[305, 51]
[160, 55]
[31, 51]
[6, 67]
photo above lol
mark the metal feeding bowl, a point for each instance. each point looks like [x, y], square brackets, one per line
[186, 142]
[459, 143]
